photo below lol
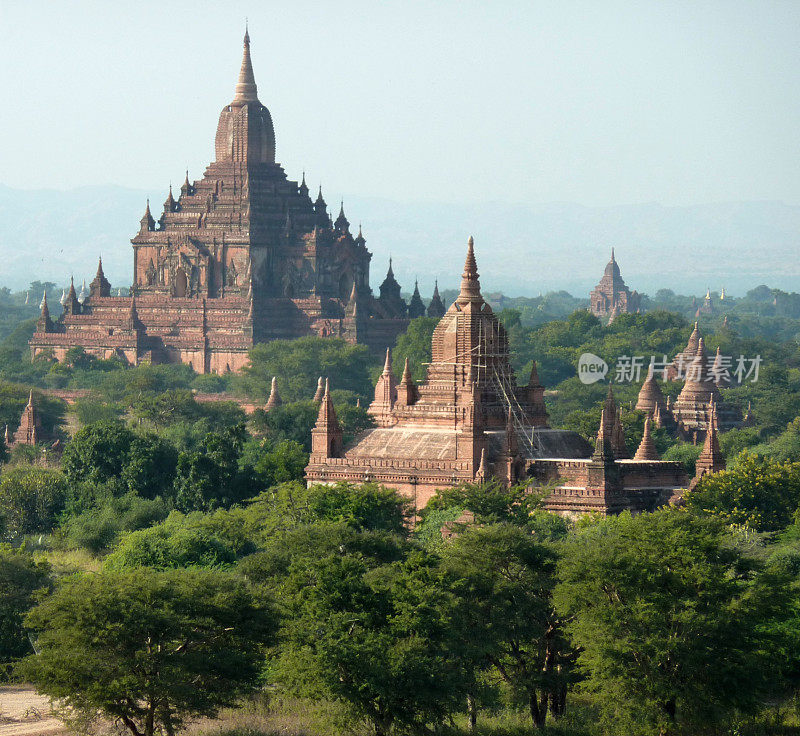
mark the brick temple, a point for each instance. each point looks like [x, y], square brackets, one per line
[611, 297]
[242, 256]
[689, 416]
[469, 421]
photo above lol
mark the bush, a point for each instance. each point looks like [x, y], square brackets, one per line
[180, 541]
[97, 529]
[30, 500]
[20, 577]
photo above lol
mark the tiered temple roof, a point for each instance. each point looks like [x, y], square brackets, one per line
[611, 297]
[703, 377]
[469, 421]
[240, 256]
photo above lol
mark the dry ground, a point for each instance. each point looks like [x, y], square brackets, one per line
[23, 712]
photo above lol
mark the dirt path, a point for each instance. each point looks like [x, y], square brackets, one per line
[23, 712]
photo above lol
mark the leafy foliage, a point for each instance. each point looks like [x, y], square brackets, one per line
[149, 649]
[671, 619]
[376, 636]
[20, 578]
[761, 493]
[505, 576]
[30, 500]
[110, 452]
[210, 477]
[299, 363]
[177, 542]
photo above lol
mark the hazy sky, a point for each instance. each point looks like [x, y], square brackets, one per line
[591, 102]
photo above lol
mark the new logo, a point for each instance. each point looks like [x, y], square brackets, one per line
[591, 368]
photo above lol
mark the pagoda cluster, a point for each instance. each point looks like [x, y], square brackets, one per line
[690, 415]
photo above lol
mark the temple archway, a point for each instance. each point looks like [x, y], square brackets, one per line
[181, 283]
[345, 287]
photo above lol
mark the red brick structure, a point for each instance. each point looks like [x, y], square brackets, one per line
[241, 256]
[469, 421]
[703, 377]
[611, 297]
[711, 459]
[30, 430]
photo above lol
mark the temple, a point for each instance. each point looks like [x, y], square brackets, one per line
[469, 421]
[689, 416]
[611, 297]
[241, 256]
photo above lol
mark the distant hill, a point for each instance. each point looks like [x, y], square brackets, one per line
[522, 249]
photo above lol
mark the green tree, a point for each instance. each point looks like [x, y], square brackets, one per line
[20, 577]
[281, 462]
[149, 649]
[376, 636]
[299, 363]
[760, 492]
[505, 576]
[366, 507]
[179, 541]
[98, 528]
[164, 408]
[414, 344]
[292, 422]
[672, 620]
[490, 502]
[210, 477]
[97, 452]
[785, 446]
[30, 500]
[110, 452]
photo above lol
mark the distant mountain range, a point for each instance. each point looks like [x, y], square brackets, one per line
[522, 249]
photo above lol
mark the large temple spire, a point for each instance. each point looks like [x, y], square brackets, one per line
[470, 285]
[245, 133]
[246, 89]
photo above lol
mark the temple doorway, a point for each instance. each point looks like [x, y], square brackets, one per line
[181, 283]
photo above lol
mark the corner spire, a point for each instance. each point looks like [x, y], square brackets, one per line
[326, 437]
[44, 323]
[246, 89]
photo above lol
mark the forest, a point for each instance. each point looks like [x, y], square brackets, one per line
[165, 569]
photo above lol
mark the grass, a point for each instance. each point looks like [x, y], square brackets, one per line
[69, 561]
[293, 717]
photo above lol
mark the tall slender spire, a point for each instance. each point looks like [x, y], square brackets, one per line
[470, 285]
[246, 89]
[147, 222]
[342, 223]
[326, 437]
[44, 323]
[436, 307]
[711, 459]
[320, 392]
[133, 315]
[482, 472]
[274, 397]
[603, 450]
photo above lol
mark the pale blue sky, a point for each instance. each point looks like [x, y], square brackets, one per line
[590, 102]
